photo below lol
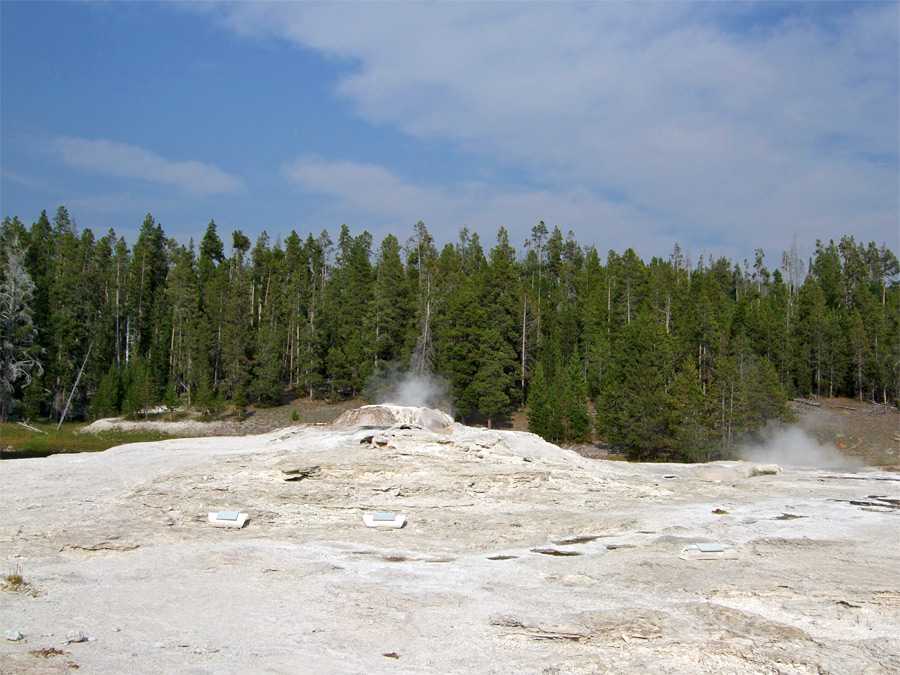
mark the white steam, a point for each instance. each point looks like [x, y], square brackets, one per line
[409, 389]
[791, 446]
[417, 390]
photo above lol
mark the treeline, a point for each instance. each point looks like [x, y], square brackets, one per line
[671, 358]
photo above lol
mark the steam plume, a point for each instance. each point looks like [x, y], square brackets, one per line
[791, 446]
[407, 388]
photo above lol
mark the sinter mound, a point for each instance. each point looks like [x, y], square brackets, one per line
[389, 415]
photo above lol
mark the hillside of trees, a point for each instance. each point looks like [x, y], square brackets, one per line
[667, 359]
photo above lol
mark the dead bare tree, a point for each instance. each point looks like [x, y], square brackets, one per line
[17, 360]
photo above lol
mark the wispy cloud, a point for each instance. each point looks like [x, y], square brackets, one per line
[733, 123]
[128, 161]
[21, 180]
[366, 188]
[375, 194]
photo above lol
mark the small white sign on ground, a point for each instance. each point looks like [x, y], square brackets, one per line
[708, 551]
[228, 519]
[710, 547]
[386, 520]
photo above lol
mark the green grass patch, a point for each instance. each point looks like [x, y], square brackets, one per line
[14, 581]
[16, 442]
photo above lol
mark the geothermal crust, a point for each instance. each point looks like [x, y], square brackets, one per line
[517, 557]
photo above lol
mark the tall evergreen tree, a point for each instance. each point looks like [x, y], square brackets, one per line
[577, 422]
[595, 335]
[538, 414]
[236, 331]
[391, 307]
[146, 284]
[633, 409]
[350, 317]
[141, 392]
[207, 329]
[183, 301]
[489, 387]
[693, 422]
[826, 269]
[108, 399]
[39, 256]
[458, 328]
[312, 345]
[70, 337]
[500, 293]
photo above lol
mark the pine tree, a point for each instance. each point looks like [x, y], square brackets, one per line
[858, 350]
[595, 334]
[101, 277]
[457, 335]
[145, 287]
[236, 327]
[577, 423]
[270, 339]
[65, 322]
[239, 401]
[268, 384]
[766, 400]
[206, 330]
[693, 417]
[170, 399]
[826, 269]
[391, 308]
[182, 298]
[886, 355]
[493, 379]
[39, 255]
[632, 285]
[555, 420]
[728, 391]
[108, 399]
[808, 339]
[633, 411]
[538, 414]
[140, 390]
[500, 294]
[312, 347]
[292, 284]
[349, 313]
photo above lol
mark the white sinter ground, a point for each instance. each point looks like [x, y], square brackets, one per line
[518, 557]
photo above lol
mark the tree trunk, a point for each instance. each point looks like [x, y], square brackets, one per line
[668, 311]
[72, 393]
[524, 315]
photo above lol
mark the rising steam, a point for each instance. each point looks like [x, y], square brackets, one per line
[791, 446]
[410, 389]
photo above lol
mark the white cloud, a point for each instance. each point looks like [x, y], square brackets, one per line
[128, 161]
[374, 194]
[365, 188]
[717, 124]
[21, 180]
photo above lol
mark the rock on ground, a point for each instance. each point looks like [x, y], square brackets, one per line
[518, 557]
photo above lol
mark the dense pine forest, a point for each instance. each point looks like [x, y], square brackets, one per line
[672, 358]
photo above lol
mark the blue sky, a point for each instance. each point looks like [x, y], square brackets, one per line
[722, 126]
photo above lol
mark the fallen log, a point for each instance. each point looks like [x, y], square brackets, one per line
[807, 402]
[31, 428]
